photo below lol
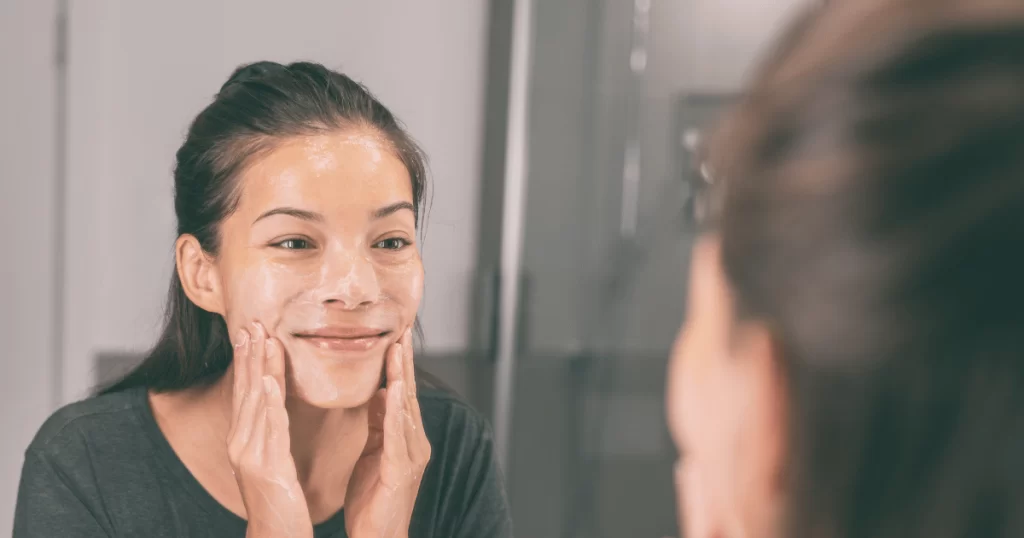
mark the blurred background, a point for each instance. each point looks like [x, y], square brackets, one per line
[561, 135]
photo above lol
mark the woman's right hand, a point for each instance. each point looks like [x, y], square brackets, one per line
[259, 443]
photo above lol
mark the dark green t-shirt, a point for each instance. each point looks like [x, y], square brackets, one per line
[102, 468]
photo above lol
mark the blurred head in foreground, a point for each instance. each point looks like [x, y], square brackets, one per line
[852, 363]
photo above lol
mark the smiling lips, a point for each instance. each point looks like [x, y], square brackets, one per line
[343, 338]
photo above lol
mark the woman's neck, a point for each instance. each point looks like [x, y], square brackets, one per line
[325, 442]
[325, 446]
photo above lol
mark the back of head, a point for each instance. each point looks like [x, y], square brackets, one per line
[871, 211]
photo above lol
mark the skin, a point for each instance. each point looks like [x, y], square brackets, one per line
[319, 280]
[726, 412]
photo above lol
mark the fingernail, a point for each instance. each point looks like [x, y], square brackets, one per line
[257, 329]
[398, 357]
[243, 338]
[268, 385]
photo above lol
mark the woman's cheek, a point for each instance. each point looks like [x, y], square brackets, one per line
[403, 284]
[258, 294]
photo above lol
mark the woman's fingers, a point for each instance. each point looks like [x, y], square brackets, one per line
[275, 364]
[258, 356]
[256, 445]
[396, 450]
[253, 459]
[377, 412]
[240, 366]
[250, 394]
[409, 369]
[419, 446]
[272, 391]
[250, 411]
[278, 442]
[393, 364]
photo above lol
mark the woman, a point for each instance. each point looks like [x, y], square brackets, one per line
[280, 399]
[853, 360]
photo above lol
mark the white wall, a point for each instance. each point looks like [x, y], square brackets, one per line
[140, 71]
[27, 146]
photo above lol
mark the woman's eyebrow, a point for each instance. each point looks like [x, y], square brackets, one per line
[292, 212]
[393, 208]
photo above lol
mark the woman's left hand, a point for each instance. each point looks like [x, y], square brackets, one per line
[385, 481]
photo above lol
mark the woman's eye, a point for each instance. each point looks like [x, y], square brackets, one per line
[395, 243]
[293, 244]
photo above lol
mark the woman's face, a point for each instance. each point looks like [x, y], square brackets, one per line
[321, 250]
[725, 413]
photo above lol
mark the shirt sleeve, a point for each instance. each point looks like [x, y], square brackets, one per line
[485, 512]
[49, 506]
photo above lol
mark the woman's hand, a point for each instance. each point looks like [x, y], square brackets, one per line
[386, 479]
[259, 444]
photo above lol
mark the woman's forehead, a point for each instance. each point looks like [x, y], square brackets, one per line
[345, 169]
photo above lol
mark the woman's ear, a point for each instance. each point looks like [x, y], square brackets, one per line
[198, 274]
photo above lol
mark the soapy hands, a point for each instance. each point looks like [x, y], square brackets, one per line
[385, 482]
[259, 445]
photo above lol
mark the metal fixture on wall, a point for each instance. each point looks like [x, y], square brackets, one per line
[631, 163]
[514, 202]
[696, 114]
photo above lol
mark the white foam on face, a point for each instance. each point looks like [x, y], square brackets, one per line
[281, 298]
[317, 152]
[350, 278]
[322, 151]
[343, 279]
[371, 145]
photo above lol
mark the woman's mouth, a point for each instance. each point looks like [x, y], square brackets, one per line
[343, 338]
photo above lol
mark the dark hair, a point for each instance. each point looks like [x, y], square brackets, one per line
[871, 190]
[260, 106]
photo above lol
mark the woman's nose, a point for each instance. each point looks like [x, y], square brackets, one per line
[350, 281]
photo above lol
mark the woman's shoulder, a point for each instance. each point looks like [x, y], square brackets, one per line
[74, 425]
[462, 484]
[447, 418]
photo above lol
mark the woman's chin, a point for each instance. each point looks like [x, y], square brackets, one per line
[335, 385]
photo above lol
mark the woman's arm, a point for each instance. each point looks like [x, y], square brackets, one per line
[48, 505]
